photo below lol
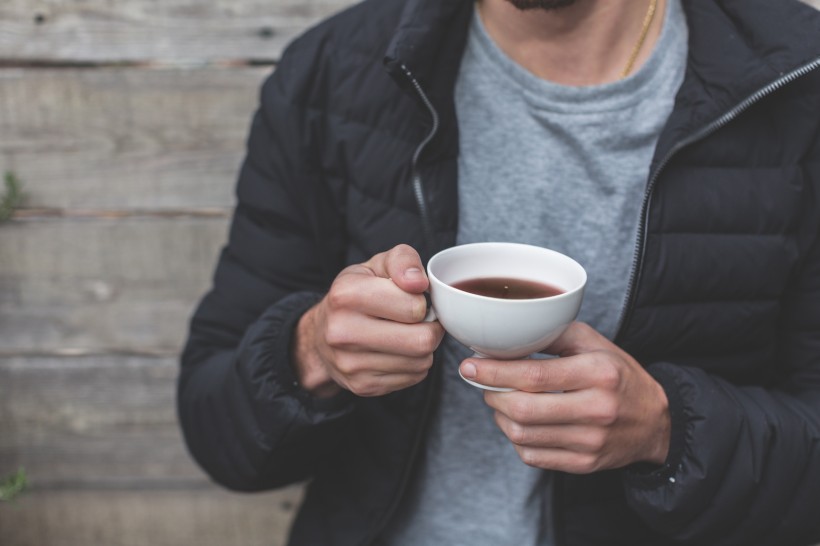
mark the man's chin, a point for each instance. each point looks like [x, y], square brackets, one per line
[540, 4]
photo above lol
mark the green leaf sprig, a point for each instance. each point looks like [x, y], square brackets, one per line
[11, 198]
[13, 485]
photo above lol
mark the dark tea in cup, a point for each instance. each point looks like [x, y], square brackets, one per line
[508, 288]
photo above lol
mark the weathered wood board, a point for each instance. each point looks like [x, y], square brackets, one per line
[146, 30]
[127, 138]
[93, 422]
[126, 121]
[204, 517]
[121, 284]
[99, 440]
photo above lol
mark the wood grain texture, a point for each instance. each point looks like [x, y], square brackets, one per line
[146, 30]
[128, 149]
[206, 517]
[126, 284]
[127, 138]
[99, 440]
[93, 422]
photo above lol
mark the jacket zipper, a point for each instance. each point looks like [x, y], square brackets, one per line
[418, 187]
[640, 245]
[418, 191]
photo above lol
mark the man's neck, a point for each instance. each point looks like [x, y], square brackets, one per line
[587, 43]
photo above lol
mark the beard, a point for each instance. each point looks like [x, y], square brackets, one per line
[540, 4]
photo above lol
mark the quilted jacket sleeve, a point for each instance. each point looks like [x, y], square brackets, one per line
[244, 417]
[744, 465]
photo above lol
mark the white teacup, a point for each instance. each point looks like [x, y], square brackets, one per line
[504, 328]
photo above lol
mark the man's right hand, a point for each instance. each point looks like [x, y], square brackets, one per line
[366, 335]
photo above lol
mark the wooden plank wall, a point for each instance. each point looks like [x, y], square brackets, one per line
[126, 122]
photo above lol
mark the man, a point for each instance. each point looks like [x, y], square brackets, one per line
[674, 150]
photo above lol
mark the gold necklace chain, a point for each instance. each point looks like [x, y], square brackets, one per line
[647, 21]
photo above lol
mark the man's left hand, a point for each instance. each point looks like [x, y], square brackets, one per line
[592, 408]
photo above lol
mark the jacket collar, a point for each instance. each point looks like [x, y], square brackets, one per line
[736, 47]
[422, 28]
[428, 43]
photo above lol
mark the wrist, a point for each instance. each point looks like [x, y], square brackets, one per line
[663, 430]
[310, 369]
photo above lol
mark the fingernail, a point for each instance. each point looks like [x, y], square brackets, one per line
[468, 370]
[413, 273]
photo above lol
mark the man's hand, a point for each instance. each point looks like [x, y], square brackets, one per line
[366, 334]
[610, 411]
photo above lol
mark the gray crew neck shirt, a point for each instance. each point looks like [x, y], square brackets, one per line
[551, 165]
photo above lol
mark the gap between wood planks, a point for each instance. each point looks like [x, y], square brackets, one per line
[155, 64]
[82, 352]
[36, 213]
[124, 484]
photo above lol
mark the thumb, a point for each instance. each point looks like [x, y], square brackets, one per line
[403, 265]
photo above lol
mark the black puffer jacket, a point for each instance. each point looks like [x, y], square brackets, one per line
[354, 150]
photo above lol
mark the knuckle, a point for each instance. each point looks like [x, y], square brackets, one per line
[339, 296]
[585, 334]
[425, 364]
[495, 372]
[536, 375]
[364, 386]
[521, 411]
[419, 365]
[605, 412]
[427, 342]
[528, 455]
[402, 248]
[347, 367]
[609, 376]
[400, 254]
[516, 433]
[586, 464]
[418, 378]
[337, 334]
[596, 441]
[583, 328]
